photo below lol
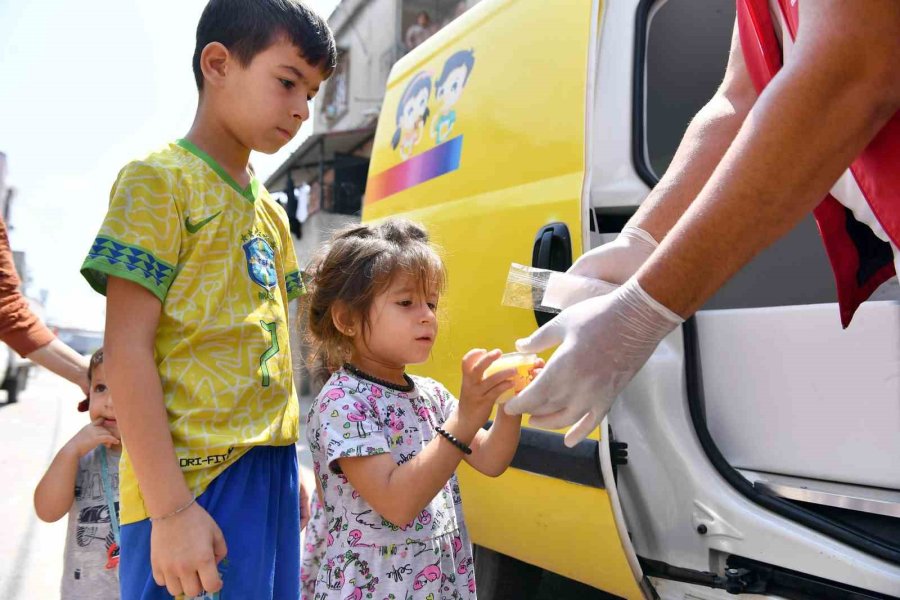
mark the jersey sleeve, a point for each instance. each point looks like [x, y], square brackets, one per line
[293, 278]
[140, 237]
[348, 426]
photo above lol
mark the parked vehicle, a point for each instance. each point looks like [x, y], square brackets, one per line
[529, 132]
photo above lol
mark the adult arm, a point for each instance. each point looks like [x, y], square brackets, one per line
[815, 117]
[705, 141]
[184, 548]
[805, 129]
[24, 332]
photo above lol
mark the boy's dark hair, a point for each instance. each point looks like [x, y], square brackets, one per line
[357, 264]
[463, 58]
[96, 359]
[248, 27]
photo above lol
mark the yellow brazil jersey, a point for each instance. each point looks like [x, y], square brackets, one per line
[221, 261]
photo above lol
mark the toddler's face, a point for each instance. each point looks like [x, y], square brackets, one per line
[101, 400]
[265, 102]
[403, 324]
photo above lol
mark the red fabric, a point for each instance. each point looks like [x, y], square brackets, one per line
[876, 169]
[19, 327]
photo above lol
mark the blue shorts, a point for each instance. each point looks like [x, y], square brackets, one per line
[256, 503]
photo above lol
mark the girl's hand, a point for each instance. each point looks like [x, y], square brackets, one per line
[91, 436]
[478, 394]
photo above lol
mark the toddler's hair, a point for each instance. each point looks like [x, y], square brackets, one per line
[96, 359]
[357, 265]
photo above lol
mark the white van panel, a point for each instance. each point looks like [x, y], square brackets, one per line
[788, 391]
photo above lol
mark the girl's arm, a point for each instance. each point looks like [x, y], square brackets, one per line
[400, 492]
[55, 493]
[493, 450]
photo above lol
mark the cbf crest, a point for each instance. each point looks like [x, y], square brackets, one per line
[259, 250]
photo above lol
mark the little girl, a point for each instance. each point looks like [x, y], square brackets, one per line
[386, 444]
[83, 481]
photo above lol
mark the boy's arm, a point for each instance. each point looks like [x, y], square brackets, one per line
[184, 548]
[55, 493]
[493, 450]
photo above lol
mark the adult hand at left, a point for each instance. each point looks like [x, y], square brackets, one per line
[602, 343]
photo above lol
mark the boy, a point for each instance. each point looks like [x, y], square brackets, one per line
[83, 481]
[198, 267]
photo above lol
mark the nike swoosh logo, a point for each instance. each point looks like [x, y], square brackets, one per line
[195, 227]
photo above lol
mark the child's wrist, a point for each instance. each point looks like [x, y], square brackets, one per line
[462, 427]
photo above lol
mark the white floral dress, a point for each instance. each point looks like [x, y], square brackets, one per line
[366, 556]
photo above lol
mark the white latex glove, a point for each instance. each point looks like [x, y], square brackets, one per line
[616, 261]
[602, 342]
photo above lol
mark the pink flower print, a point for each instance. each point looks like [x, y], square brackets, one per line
[355, 495]
[457, 544]
[423, 413]
[342, 379]
[376, 392]
[330, 540]
[471, 583]
[429, 573]
[356, 594]
[424, 517]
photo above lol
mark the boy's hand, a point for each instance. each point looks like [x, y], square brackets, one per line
[91, 436]
[184, 551]
[478, 394]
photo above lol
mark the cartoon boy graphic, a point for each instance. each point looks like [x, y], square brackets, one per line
[448, 90]
[412, 114]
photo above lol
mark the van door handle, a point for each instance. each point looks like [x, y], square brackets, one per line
[552, 251]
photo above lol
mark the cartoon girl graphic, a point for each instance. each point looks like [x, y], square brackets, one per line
[448, 89]
[412, 114]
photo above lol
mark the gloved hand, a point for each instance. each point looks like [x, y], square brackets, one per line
[616, 261]
[602, 342]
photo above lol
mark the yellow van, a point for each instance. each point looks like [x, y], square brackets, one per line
[528, 131]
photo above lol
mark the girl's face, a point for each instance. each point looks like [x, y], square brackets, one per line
[101, 405]
[402, 328]
[414, 109]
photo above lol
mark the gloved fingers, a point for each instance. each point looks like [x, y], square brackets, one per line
[565, 416]
[536, 396]
[551, 334]
[582, 429]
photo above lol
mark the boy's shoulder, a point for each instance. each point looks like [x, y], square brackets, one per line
[171, 165]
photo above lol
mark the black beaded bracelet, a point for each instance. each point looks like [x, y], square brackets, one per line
[452, 439]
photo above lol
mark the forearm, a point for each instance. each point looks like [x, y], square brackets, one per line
[803, 132]
[705, 142]
[62, 360]
[55, 493]
[143, 422]
[493, 450]
[401, 492]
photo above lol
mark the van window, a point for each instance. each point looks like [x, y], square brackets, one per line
[686, 51]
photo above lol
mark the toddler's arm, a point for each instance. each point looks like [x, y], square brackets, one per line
[184, 548]
[400, 492]
[493, 450]
[55, 493]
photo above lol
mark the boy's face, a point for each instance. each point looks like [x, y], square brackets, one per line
[452, 88]
[264, 103]
[101, 405]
